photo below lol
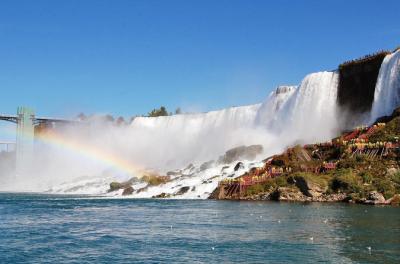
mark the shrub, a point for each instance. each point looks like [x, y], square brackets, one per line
[346, 180]
[281, 181]
[347, 163]
[366, 177]
[396, 178]
[278, 162]
[255, 189]
[385, 187]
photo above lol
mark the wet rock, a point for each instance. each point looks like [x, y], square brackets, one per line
[114, 186]
[206, 165]
[238, 166]
[162, 195]
[224, 168]
[174, 173]
[143, 189]
[182, 190]
[189, 168]
[241, 152]
[128, 191]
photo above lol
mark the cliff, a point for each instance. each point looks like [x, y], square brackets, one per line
[357, 80]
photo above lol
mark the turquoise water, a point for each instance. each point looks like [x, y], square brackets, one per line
[65, 229]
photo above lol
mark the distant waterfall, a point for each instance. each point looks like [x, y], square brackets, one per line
[387, 90]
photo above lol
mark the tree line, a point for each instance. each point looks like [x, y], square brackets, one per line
[156, 112]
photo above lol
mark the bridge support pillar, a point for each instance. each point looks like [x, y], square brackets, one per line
[24, 140]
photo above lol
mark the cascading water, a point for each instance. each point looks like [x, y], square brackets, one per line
[307, 113]
[387, 90]
[182, 139]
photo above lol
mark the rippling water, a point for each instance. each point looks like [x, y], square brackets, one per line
[65, 229]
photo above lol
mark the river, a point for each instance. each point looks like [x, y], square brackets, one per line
[37, 228]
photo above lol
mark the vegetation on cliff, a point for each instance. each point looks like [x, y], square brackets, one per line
[359, 166]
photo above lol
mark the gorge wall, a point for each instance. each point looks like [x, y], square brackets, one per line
[357, 81]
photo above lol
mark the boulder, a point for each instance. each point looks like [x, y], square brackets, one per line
[162, 195]
[128, 191]
[375, 197]
[114, 186]
[182, 190]
[241, 152]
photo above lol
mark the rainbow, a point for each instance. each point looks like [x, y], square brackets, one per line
[90, 151]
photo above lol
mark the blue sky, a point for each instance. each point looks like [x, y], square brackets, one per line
[127, 57]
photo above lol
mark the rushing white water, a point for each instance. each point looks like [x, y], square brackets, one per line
[289, 115]
[308, 113]
[387, 90]
[182, 139]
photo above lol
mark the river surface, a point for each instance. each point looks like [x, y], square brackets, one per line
[72, 229]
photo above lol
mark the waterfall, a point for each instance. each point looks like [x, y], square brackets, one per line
[268, 112]
[307, 113]
[290, 114]
[182, 139]
[387, 89]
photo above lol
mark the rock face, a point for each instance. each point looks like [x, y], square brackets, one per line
[241, 152]
[357, 82]
[308, 188]
[288, 194]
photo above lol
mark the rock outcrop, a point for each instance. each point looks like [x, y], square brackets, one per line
[242, 152]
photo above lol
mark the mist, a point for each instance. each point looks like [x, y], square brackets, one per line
[289, 115]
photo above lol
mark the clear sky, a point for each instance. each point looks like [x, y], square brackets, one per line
[127, 57]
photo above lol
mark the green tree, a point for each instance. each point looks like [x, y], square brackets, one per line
[162, 111]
